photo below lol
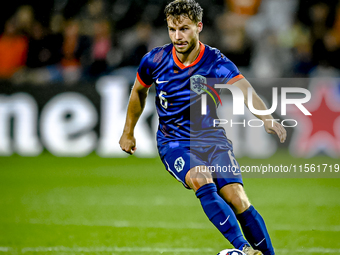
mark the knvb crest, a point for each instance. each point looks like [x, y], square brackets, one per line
[197, 84]
[179, 164]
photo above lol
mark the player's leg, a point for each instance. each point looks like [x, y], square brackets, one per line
[229, 182]
[235, 196]
[251, 221]
[217, 210]
[186, 167]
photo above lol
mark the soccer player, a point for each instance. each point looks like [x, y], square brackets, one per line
[187, 140]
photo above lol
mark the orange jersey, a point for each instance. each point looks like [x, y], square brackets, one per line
[244, 7]
[13, 54]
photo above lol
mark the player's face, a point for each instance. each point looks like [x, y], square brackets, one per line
[183, 33]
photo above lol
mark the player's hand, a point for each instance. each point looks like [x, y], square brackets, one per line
[128, 143]
[273, 127]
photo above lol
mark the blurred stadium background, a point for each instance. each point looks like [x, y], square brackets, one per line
[66, 69]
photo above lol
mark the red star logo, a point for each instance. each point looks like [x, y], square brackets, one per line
[319, 132]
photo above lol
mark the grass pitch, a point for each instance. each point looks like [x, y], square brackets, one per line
[92, 205]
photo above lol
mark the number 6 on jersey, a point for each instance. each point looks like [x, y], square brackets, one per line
[163, 101]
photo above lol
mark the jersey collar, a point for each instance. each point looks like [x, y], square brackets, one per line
[180, 64]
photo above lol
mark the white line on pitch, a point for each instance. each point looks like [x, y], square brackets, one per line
[172, 225]
[107, 249]
[153, 249]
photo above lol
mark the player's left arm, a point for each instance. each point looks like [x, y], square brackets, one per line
[271, 126]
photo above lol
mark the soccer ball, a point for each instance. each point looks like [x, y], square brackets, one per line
[231, 252]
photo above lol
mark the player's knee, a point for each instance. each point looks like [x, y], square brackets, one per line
[197, 177]
[236, 197]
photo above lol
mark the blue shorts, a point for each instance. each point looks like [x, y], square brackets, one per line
[178, 158]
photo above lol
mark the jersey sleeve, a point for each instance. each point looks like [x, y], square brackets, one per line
[144, 73]
[229, 73]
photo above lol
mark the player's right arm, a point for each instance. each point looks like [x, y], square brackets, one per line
[135, 108]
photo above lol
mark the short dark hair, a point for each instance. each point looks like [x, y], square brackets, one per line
[188, 8]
